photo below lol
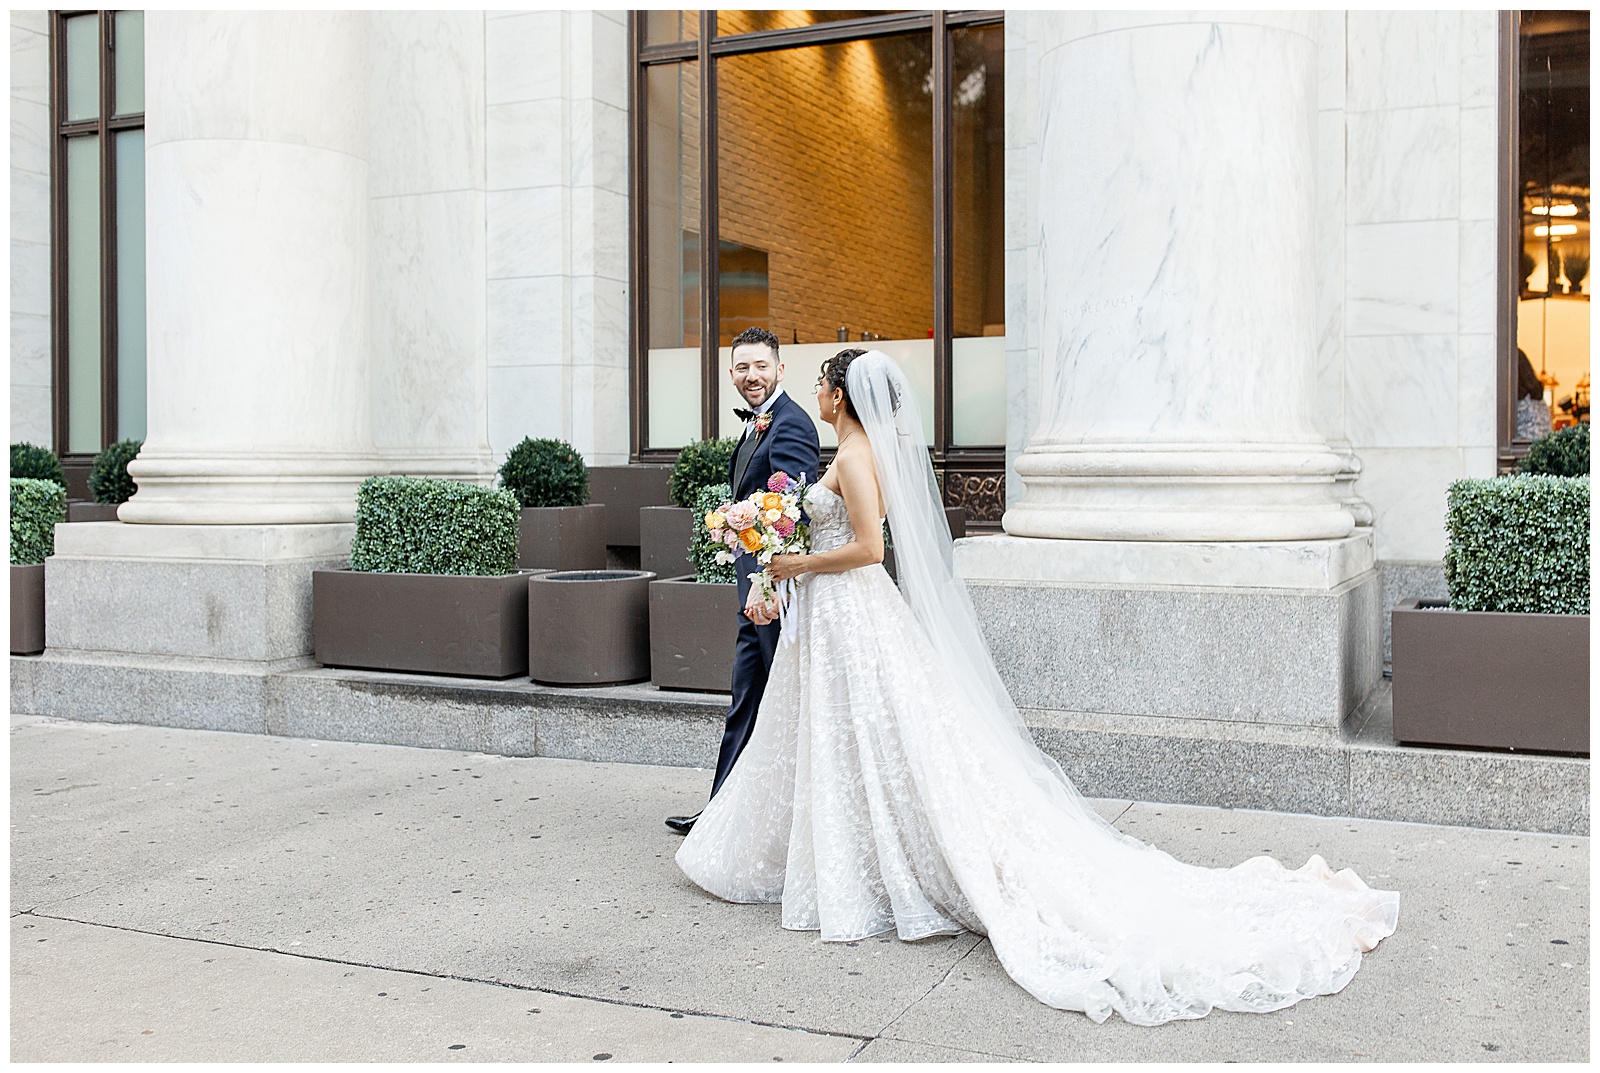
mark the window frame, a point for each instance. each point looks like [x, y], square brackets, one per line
[105, 125]
[973, 477]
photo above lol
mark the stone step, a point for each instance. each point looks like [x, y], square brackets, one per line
[1358, 772]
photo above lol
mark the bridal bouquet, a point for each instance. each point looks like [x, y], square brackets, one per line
[763, 525]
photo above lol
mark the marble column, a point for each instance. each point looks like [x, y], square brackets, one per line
[259, 268]
[1176, 225]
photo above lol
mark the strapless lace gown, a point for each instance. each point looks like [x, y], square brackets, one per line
[870, 799]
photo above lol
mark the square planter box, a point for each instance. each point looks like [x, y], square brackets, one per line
[693, 628]
[562, 538]
[422, 623]
[955, 517]
[92, 512]
[1491, 679]
[589, 627]
[27, 610]
[623, 490]
[664, 535]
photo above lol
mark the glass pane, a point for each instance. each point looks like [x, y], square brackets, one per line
[744, 22]
[130, 285]
[825, 176]
[672, 112]
[128, 57]
[674, 383]
[1555, 281]
[83, 67]
[978, 277]
[83, 294]
[668, 27]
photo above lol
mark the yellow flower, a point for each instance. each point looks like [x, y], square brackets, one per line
[772, 501]
[750, 539]
[715, 519]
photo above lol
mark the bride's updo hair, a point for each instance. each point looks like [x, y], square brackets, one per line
[833, 371]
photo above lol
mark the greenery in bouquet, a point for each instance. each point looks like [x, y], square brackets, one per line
[712, 563]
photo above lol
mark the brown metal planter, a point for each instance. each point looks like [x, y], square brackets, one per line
[589, 627]
[693, 628]
[562, 538]
[623, 490]
[664, 535]
[27, 610]
[422, 623]
[1490, 679]
[92, 512]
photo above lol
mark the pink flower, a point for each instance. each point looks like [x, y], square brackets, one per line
[778, 482]
[784, 526]
[741, 515]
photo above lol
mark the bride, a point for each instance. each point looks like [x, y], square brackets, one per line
[891, 784]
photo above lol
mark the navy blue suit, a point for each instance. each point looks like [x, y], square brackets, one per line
[789, 444]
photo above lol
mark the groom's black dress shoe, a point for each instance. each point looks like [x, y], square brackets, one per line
[682, 825]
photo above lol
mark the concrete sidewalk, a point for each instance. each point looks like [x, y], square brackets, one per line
[204, 896]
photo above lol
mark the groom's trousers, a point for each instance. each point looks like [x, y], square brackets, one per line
[752, 660]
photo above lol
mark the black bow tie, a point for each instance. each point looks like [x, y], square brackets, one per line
[744, 415]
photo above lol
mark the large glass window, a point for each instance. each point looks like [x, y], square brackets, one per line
[850, 173]
[98, 265]
[1548, 387]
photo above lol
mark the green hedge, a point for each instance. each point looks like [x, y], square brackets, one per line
[36, 507]
[702, 549]
[415, 525]
[545, 473]
[1519, 543]
[108, 477]
[1564, 453]
[700, 465]
[36, 463]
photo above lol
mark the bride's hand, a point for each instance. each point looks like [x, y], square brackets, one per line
[784, 567]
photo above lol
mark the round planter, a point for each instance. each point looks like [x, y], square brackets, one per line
[589, 627]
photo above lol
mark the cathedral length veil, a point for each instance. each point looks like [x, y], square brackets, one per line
[925, 557]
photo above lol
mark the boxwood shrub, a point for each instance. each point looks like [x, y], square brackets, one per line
[1564, 453]
[700, 465]
[1519, 543]
[35, 462]
[36, 507]
[108, 477]
[416, 525]
[702, 549]
[545, 473]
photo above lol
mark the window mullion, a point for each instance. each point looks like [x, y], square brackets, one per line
[108, 233]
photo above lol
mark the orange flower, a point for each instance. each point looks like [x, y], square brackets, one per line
[751, 540]
[772, 501]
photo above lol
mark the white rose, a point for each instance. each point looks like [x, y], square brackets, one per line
[773, 515]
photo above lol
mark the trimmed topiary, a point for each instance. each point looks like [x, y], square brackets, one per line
[1564, 453]
[1519, 543]
[36, 463]
[545, 473]
[702, 548]
[36, 507]
[417, 525]
[700, 465]
[108, 477]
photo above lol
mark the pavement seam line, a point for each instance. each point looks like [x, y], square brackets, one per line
[461, 979]
[914, 1002]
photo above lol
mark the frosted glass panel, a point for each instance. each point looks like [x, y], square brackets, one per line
[672, 109]
[83, 67]
[674, 396]
[802, 364]
[128, 48]
[978, 391]
[83, 295]
[130, 283]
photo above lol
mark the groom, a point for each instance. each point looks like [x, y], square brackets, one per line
[778, 435]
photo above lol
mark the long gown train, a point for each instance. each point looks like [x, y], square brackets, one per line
[870, 799]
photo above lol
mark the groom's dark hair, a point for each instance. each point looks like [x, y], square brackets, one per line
[756, 335]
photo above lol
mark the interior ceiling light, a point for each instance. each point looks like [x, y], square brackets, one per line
[1555, 210]
[1556, 229]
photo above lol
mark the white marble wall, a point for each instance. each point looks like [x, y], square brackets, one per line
[30, 228]
[1407, 347]
[429, 243]
[557, 160]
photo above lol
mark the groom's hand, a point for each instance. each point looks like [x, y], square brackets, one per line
[762, 614]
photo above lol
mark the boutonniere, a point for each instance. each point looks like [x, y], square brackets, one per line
[763, 421]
